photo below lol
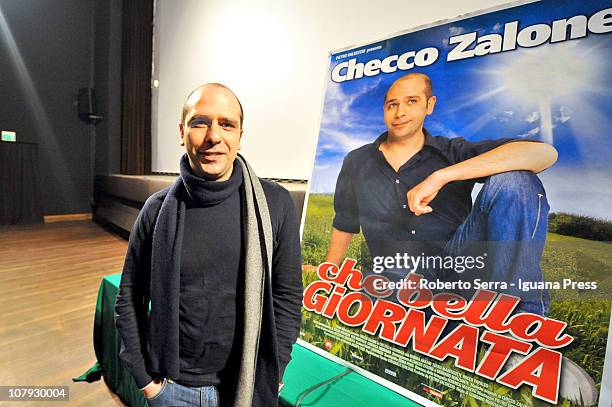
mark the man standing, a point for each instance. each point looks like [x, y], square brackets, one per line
[410, 192]
[209, 304]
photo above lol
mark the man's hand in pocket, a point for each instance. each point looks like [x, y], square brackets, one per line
[152, 389]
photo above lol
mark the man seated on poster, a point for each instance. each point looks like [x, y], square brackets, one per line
[410, 194]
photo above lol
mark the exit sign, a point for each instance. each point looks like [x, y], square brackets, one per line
[9, 136]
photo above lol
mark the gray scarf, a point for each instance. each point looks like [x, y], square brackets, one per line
[258, 258]
[165, 269]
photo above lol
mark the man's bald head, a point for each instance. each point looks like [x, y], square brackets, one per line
[415, 75]
[196, 95]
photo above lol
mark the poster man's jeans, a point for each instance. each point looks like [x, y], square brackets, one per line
[508, 222]
[173, 394]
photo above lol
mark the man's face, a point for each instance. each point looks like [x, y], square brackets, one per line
[406, 107]
[211, 132]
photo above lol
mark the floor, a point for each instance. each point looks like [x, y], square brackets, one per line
[49, 279]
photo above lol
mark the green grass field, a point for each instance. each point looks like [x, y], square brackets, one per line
[587, 313]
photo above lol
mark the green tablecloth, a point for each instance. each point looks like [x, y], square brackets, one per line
[305, 370]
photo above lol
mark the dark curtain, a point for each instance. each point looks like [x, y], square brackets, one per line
[19, 184]
[137, 48]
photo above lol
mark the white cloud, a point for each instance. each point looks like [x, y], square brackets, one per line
[324, 178]
[564, 184]
[533, 132]
[439, 129]
[504, 116]
[564, 114]
[338, 104]
[341, 142]
[532, 117]
[326, 147]
[454, 30]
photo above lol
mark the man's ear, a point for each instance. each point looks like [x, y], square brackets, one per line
[239, 143]
[182, 131]
[431, 102]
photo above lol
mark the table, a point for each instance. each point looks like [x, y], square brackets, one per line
[305, 370]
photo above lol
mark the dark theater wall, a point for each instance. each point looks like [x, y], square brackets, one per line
[48, 50]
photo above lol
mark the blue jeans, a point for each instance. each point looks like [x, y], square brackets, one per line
[173, 394]
[508, 222]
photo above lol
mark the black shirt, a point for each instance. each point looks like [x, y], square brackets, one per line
[371, 196]
[212, 260]
[281, 306]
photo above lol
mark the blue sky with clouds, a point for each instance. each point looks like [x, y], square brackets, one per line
[510, 94]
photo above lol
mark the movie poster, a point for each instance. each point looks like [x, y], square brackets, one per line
[507, 320]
